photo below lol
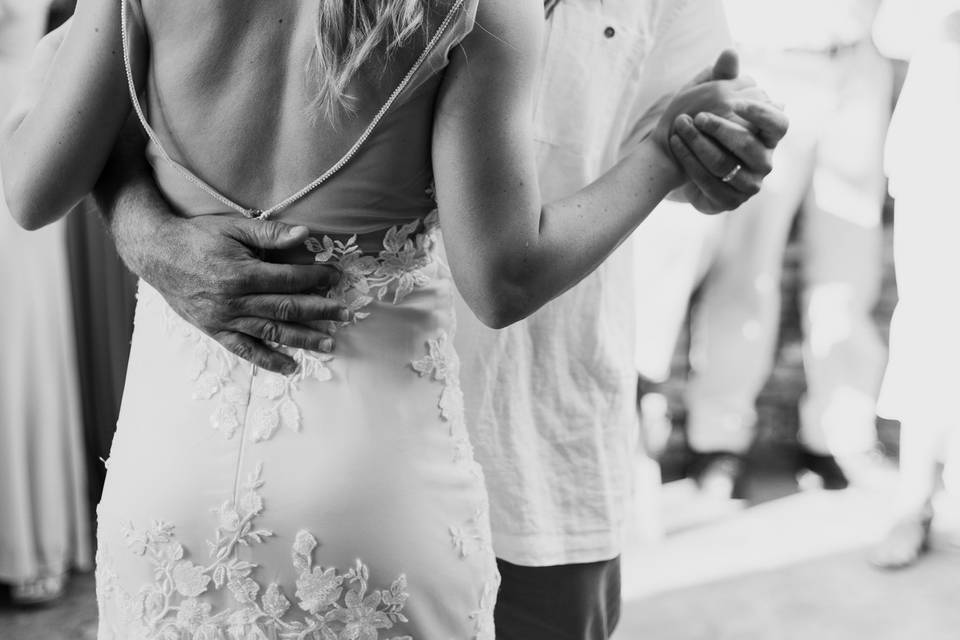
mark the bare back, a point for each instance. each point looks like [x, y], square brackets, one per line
[230, 96]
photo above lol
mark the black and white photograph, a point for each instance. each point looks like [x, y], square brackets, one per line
[479, 319]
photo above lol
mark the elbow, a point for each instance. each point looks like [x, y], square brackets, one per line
[29, 209]
[502, 305]
[497, 318]
[23, 214]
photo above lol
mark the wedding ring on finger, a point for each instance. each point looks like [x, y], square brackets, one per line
[732, 174]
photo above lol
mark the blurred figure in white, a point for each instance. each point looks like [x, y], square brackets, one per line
[44, 530]
[922, 379]
[817, 57]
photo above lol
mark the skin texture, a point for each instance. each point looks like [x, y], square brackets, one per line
[510, 253]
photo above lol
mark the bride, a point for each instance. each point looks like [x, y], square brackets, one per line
[340, 501]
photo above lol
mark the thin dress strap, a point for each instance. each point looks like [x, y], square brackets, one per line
[263, 214]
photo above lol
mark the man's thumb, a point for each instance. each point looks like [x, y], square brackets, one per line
[727, 66]
[268, 234]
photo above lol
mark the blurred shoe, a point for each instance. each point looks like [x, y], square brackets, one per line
[43, 590]
[719, 474]
[869, 470]
[903, 545]
[826, 468]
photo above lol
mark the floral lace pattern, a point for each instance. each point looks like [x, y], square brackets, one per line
[472, 535]
[439, 366]
[400, 267]
[331, 605]
[227, 380]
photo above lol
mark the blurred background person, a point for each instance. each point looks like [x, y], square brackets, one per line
[44, 523]
[922, 378]
[818, 58]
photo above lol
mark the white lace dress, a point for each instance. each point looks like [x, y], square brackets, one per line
[341, 502]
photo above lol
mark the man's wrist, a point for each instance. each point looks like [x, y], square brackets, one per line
[147, 234]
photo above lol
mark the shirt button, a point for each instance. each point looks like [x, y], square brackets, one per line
[609, 32]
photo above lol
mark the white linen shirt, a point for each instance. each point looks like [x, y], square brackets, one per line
[551, 400]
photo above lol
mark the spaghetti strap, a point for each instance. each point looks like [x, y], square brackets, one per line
[264, 214]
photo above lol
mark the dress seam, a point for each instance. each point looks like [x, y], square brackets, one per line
[243, 436]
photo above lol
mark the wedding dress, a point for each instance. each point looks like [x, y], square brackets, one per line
[341, 502]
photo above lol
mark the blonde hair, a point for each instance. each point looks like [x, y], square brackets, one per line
[349, 34]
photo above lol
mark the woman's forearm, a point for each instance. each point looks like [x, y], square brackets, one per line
[55, 144]
[576, 234]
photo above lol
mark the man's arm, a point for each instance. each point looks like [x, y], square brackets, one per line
[207, 270]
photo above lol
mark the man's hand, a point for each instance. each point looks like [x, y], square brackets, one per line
[710, 146]
[207, 270]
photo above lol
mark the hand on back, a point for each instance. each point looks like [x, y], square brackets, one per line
[209, 272]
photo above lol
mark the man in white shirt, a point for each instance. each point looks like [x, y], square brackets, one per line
[551, 400]
[565, 425]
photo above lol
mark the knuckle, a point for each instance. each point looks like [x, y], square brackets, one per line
[287, 309]
[269, 230]
[711, 124]
[271, 331]
[233, 282]
[236, 346]
[680, 150]
[230, 307]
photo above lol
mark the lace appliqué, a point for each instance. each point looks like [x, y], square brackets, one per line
[220, 376]
[443, 368]
[330, 605]
[400, 267]
[229, 382]
[473, 535]
[280, 408]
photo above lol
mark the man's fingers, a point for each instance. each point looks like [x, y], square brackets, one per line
[297, 308]
[719, 162]
[268, 234]
[722, 196]
[284, 333]
[271, 278]
[256, 352]
[712, 157]
[771, 123]
[738, 140]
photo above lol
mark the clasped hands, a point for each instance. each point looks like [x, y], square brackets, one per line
[721, 130]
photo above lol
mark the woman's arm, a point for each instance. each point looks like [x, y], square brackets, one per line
[509, 253]
[55, 143]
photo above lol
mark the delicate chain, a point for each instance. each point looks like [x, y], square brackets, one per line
[187, 175]
[347, 157]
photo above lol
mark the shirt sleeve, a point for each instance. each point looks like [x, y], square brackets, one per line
[688, 36]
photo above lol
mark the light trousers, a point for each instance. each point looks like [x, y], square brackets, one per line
[829, 167]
